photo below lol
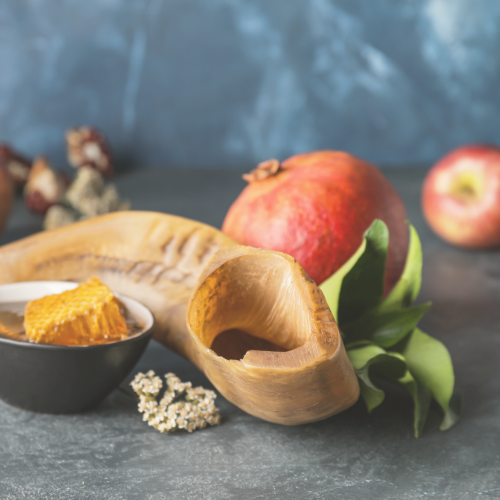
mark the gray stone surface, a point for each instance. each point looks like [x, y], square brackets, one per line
[110, 454]
[231, 82]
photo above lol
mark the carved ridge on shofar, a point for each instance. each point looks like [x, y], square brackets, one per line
[183, 269]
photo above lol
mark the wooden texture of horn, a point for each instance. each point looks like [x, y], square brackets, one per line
[282, 358]
[296, 369]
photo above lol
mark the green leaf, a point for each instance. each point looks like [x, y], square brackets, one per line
[358, 343]
[385, 328]
[407, 288]
[363, 286]
[362, 359]
[418, 363]
[371, 394]
[420, 394]
[421, 401]
[331, 287]
[430, 363]
[452, 416]
[364, 355]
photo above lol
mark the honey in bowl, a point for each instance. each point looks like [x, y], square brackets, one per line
[87, 315]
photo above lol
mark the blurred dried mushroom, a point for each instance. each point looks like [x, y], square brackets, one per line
[90, 196]
[59, 216]
[87, 196]
[87, 147]
[16, 165]
[44, 187]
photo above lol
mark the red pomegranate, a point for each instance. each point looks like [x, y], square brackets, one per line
[316, 207]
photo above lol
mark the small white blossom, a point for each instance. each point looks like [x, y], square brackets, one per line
[181, 407]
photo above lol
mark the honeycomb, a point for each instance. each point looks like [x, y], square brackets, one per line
[89, 314]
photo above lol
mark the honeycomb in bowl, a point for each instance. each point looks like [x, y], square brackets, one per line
[88, 314]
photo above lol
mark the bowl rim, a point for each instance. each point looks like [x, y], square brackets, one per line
[35, 345]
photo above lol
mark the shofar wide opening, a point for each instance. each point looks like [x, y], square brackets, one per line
[250, 303]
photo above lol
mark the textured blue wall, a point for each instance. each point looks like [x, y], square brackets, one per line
[233, 82]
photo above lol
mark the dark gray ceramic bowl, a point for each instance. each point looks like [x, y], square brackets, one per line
[65, 379]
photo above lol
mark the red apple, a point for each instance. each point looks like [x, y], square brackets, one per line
[461, 197]
[316, 207]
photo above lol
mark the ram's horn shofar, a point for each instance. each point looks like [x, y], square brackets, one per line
[251, 320]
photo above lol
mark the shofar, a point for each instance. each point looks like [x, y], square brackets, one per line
[206, 292]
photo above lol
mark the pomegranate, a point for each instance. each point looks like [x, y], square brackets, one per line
[316, 207]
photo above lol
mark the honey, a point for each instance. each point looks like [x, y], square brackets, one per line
[89, 314]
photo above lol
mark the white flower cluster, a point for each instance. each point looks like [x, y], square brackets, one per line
[195, 411]
[147, 384]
